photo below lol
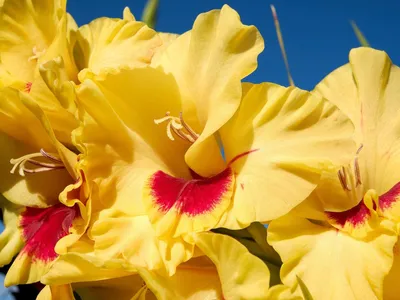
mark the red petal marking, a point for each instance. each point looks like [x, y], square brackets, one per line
[191, 197]
[28, 87]
[43, 227]
[241, 155]
[355, 216]
[390, 197]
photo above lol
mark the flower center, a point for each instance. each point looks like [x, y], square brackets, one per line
[40, 161]
[179, 127]
[36, 54]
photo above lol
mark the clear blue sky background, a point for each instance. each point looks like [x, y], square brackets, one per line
[317, 34]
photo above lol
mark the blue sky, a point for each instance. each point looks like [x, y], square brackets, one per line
[317, 34]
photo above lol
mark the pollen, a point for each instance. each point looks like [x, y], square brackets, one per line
[36, 162]
[177, 126]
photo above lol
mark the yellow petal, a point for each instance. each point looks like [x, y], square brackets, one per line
[367, 90]
[62, 45]
[80, 264]
[332, 264]
[277, 140]
[27, 30]
[133, 239]
[25, 269]
[127, 15]
[55, 96]
[125, 288]
[110, 44]
[196, 279]
[68, 158]
[10, 239]
[247, 278]
[282, 292]
[208, 63]
[12, 111]
[56, 292]
[391, 282]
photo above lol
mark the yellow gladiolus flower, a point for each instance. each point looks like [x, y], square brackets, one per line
[46, 189]
[349, 237]
[173, 172]
[38, 113]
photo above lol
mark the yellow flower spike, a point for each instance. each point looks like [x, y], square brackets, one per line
[106, 45]
[332, 264]
[10, 239]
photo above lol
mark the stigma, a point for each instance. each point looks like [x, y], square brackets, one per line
[177, 126]
[36, 162]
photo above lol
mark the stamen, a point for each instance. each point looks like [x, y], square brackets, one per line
[20, 163]
[357, 167]
[179, 127]
[190, 130]
[343, 179]
[36, 54]
[357, 172]
[350, 178]
[359, 149]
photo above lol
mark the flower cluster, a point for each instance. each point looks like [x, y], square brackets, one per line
[136, 164]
